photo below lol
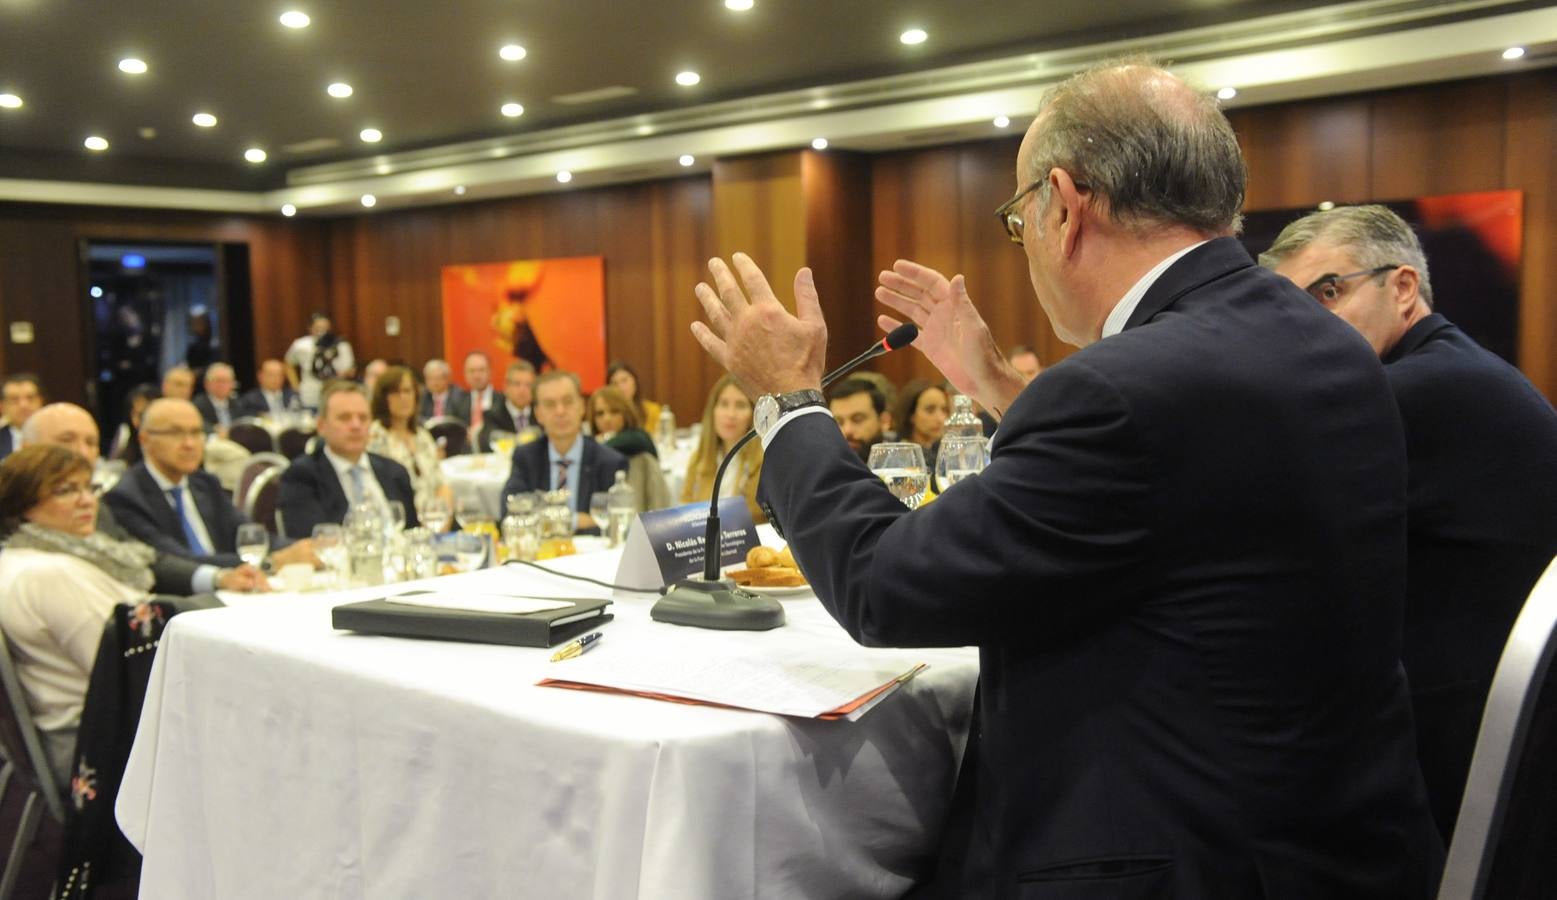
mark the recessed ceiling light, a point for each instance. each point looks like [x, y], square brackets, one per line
[459, 190]
[132, 66]
[688, 78]
[369, 200]
[513, 110]
[1513, 53]
[511, 52]
[371, 135]
[339, 89]
[1002, 121]
[147, 133]
[10, 101]
[687, 159]
[1227, 93]
[819, 144]
[913, 36]
[564, 176]
[1326, 205]
[204, 120]
[293, 18]
[96, 143]
[288, 210]
[254, 155]
[738, 5]
[96, 292]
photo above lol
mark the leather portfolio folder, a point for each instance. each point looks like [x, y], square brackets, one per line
[537, 629]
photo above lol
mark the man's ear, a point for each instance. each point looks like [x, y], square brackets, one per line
[1407, 284]
[1069, 200]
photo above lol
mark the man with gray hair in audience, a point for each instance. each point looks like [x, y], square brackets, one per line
[443, 396]
[1481, 469]
[218, 406]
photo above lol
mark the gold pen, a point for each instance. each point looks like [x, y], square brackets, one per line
[576, 648]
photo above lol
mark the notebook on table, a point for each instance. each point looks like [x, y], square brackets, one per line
[479, 618]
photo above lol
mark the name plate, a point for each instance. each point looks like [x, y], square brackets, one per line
[666, 546]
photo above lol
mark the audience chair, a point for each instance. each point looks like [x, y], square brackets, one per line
[451, 434]
[249, 434]
[1504, 837]
[256, 464]
[293, 442]
[264, 494]
[29, 769]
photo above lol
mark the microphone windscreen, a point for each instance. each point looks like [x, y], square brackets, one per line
[901, 336]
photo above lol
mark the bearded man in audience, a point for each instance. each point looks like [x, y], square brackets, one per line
[861, 413]
[1481, 470]
[19, 399]
[68, 425]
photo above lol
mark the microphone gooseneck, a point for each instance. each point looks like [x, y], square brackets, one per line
[899, 337]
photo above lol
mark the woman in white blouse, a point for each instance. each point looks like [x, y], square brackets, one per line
[59, 582]
[397, 434]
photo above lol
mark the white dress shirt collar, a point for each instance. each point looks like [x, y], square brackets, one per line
[1122, 311]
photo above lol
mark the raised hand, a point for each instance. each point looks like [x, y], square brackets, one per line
[754, 337]
[952, 334]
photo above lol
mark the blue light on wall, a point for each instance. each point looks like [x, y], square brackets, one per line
[133, 261]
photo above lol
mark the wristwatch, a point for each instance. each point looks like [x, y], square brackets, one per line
[772, 407]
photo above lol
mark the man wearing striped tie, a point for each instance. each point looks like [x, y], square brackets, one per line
[567, 458]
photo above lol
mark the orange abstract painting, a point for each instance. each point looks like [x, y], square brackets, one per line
[548, 311]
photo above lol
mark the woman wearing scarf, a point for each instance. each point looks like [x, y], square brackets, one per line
[59, 582]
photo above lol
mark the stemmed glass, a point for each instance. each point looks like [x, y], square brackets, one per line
[434, 513]
[396, 521]
[961, 456]
[600, 509]
[330, 546]
[901, 465]
[253, 543]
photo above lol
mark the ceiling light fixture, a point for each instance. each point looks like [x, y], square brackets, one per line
[288, 210]
[687, 159]
[459, 190]
[819, 144]
[369, 200]
[254, 155]
[339, 90]
[371, 135]
[132, 66]
[1513, 53]
[688, 78]
[738, 5]
[204, 120]
[1002, 121]
[564, 176]
[1227, 93]
[96, 292]
[914, 36]
[512, 52]
[96, 144]
[293, 18]
[10, 101]
[513, 110]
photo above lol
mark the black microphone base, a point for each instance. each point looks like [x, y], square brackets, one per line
[719, 605]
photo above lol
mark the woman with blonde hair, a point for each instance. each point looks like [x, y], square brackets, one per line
[726, 417]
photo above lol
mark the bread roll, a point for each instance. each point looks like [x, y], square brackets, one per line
[761, 557]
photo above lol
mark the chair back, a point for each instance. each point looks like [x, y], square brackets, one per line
[21, 740]
[264, 495]
[256, 464]
[451, 434]
[1507, 827]
[293, 442]
[249, 434]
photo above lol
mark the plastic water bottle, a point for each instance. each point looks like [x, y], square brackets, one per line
[623, 508]
[963, 420]
[665, 431]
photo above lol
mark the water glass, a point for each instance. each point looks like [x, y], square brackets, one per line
[434, 513]
[470, 550]
[901, 466]
[600, 508]
[473, 514]
[396, 523]
[421, 557]
[330, 546]
[253, 543]
[961, 456]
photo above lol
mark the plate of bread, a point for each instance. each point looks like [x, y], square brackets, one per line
[770, 571]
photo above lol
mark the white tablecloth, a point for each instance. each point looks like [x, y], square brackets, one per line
[279, 758]
[479, 475]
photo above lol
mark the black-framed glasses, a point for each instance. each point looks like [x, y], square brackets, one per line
[1327, 288]
[1011, 220]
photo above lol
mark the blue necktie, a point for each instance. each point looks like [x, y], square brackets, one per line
[191, 537]
[356, 484]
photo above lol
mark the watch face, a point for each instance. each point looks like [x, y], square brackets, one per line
[766, 413]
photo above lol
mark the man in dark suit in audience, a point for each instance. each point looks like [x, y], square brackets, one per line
[567, 458]
[169, 502]
[20, 397]
[480, 394]
[513, 415]
[68, 425]
[443, 398]
[861, 413]
[1185, 564]
[322, 486]
[272, 396]
[218, 406]
[1481, 469]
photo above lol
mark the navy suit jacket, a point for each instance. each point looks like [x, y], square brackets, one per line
[1184, 569]
[143, 509]
[457, 404]
[252, 403]
[173, 574]
[5, 442]
[1481, 451]
[311, 492]
[531, 470]
[208, 410]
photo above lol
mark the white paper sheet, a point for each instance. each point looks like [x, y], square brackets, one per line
[487, 603]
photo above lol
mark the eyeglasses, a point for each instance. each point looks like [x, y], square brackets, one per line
[1011, 220]
[72, 491]
[179, 434]
[1327, 288]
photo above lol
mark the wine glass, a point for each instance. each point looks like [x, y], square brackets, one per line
[473, 514]
[330, 546]
[253, 543]
[470, 550]
[600, 509]
[434, 513]
[961, 456]
[901, 466]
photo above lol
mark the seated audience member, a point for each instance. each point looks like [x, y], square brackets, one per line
[218, 406]
[478, 386]
[126, 445]
[566, 458]
[922, 410]
[272, 397]
[861, 413]
[625, 379]
[615, 424]
[60, 578]
[443, 397]
[726, 418]
[179, 382]
[371, 373]
[888, 390]
[397, 434]
[513, 415]
[322, 486]
[68, 425]
[1481, 470]
[20, 397]
[1024, 359]
[170, 503]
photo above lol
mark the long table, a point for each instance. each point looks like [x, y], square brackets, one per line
[277, 757]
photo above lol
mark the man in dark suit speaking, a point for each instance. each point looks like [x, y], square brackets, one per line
[1185, 562]
[323, 485]
[566, 458]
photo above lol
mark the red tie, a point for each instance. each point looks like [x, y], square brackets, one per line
[438, 404]
[475, 410]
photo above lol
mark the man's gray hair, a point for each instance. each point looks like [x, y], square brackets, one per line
[213, 368]
[1156, 150]
[440, 365]
[1372, 234]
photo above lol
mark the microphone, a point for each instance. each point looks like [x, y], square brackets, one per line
[712, 602]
